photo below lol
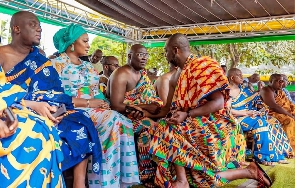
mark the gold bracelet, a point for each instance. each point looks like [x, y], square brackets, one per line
[88, 105]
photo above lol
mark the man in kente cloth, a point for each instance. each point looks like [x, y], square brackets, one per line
[24, 64]
[129, 86]
[279, 105]
[198, 141]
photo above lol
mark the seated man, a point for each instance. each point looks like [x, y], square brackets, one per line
[130, 91]
[287, 93]
[280, 106]
[95, 59]
[23, 64]
[30, 154]
[198, 138]
[109, 65]
[252, 81]
[162, 83]
[271, 143]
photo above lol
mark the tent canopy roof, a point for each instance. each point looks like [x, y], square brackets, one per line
[200, 19]
[158, 13]
[153, 21]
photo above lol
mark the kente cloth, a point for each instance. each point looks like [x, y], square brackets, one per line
[103, 80]
[32, 156]
[119, 163]
[287, 122]
[288, 95]
[204, 145]
[143, 93]
[271, 143]
[76, 129]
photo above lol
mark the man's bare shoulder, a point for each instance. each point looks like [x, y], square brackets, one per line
[167, 75]
[4, 52]
[266, 92]
[266, 89]
[120, 72]
[162, 79]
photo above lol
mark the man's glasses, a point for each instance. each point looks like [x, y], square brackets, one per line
[141, 55]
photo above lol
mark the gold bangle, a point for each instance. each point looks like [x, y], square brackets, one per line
[88, 105]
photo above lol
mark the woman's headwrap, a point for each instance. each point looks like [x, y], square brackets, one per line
[63, 38]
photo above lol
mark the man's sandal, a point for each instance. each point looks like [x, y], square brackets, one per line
[261, 175]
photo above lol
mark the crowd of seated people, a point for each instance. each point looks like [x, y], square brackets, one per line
[271, 143]
[118, 126]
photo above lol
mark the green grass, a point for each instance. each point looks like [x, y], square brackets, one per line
[282, 176]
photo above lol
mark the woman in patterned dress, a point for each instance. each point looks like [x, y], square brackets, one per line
[81, 81]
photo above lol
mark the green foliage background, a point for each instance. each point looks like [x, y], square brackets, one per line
[276, 53]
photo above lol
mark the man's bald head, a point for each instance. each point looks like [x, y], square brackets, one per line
[177, 49]
[25, 29]
[107, 59]
[96, 56]
[232, 72]
[235, 76]
[134, 48]
[97, 51]
[274, 77]
[18, 18]
[254, 78]
[178, 40]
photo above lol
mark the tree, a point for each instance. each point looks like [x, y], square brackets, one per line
[119, 50]
[110, 47]
[271, 54]
[4, 32]
[157, 60]
[277, 54]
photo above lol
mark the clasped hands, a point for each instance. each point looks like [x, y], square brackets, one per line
[144, 110]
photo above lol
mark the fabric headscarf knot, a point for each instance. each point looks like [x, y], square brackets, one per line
[63, 38]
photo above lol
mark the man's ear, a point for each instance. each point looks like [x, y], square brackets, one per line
[129, 56]
[175, 50]
[16, 29]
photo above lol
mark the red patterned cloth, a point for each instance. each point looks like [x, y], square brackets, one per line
[203, 145]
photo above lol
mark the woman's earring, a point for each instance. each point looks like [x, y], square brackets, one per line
[72, 48]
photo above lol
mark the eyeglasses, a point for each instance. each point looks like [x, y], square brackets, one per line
[280, 81]
[141, 55]
[115, 65]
